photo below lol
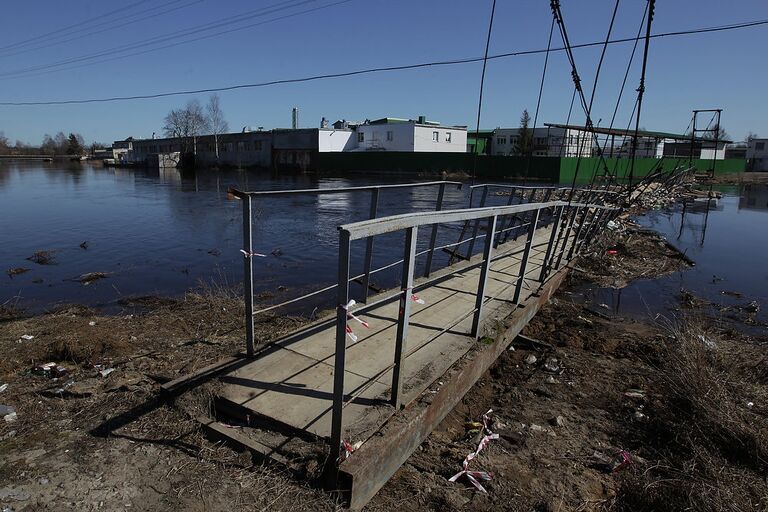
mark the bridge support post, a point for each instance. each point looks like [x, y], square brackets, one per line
[433, 236]
[487, 253]
[248, 273]
[526, 254]
[339, 360]
[369, 247]
[406, 290]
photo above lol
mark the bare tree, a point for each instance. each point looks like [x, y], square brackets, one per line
[750, 136]
[186, 124]
[217, 124]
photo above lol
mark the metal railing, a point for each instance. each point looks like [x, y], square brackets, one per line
[573, 225]
[363, 278]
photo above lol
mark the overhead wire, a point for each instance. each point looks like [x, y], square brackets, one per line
[482, 83]
[152, 13]
[538, 103]
[641, 87]
[370, 70]
[187, 32]
[587, 107]
[623, 86]
[69, 27]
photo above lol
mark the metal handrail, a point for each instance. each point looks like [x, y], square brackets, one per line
[337, 190]
[573, 226]
[380, 226]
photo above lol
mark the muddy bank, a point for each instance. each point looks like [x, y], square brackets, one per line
[605, 413]
[740, 177]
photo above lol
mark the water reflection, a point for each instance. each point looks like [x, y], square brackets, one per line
[728, 246]
[753, 197]
[162, 231]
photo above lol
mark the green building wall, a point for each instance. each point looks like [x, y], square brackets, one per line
[551, 169]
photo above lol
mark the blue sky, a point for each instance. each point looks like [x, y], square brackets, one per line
[725, 69]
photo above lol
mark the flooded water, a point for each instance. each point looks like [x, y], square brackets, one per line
[728, 245]
[163, 232]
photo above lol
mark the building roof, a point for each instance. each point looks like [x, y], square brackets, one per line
[631, 133]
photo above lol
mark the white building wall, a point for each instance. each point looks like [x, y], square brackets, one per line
[440, 139]
[331, 141]
[385, 137]
[708, 153]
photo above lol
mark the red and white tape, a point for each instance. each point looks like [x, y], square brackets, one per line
[252, 254]
[362, 322]
[475, 477]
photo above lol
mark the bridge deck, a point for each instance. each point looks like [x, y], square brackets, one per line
[291, 382]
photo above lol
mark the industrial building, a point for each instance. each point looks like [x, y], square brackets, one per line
[295, 148]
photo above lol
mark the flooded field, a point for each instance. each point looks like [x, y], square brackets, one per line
[728, 245]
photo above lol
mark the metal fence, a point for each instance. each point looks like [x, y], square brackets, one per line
[364, 278]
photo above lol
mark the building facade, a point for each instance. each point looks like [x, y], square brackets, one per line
[409, 135]
[294, 148]
[757, 155]
[547, 141]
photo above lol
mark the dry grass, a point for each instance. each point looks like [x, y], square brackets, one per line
[710, 444]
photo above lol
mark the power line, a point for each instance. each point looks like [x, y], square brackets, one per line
[374, 70]
[69, 27]
[151, 13]
[192, 31]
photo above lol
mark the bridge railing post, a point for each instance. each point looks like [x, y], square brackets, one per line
[406, 290]
[483, 280]
[369, 247]
[526, 254]
[248, 273]
[340, 355]
[579, 231]
[558, 218]
[433, 236]
[568, 229]
[506, 223]
[476, 229]
[525, 215]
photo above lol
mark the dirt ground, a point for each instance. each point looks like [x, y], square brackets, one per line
[741, 177]
[675, 395]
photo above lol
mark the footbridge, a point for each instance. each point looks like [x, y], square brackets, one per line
[363, 385]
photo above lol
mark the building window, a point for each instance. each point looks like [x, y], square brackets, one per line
[435, 136]
[501, 140]
[389, 135]
[360, 137]
[447, 136]
[759, 146]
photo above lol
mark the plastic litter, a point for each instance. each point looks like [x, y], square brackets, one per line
[475, 477]
[531, 359]
[622, 460]
[3, 387]
[106, 371]
[27, 337]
